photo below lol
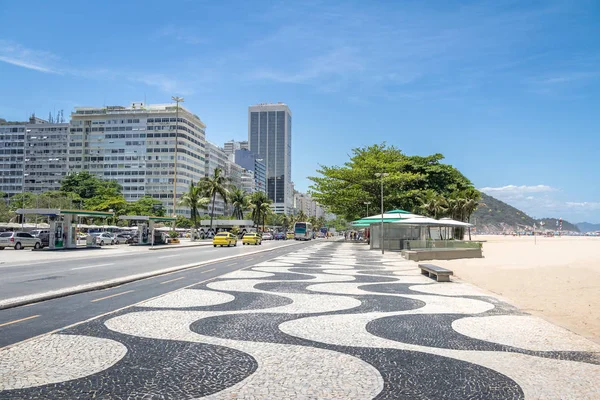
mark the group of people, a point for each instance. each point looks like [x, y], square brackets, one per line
[352, 235]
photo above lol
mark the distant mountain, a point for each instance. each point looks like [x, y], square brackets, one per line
[550, 223]
[495, 216]
[587, 227]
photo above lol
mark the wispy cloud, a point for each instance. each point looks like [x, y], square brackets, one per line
[517, 190]
[588, 206]
[186, 35]
[163, 82]
[15, 54]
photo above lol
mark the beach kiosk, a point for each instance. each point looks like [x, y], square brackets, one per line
[62, 231]
[146, 227]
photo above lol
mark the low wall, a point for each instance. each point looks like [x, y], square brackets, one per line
[441, 254]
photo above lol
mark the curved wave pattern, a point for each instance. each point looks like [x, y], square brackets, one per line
[329, 321]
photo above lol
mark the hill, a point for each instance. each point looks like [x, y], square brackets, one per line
[495, 216]
[550, 223]
[587, 227]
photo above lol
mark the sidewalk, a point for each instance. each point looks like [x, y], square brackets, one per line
[329, 321]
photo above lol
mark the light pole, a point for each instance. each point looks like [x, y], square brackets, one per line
[178, 100]
[382, 175]
[367, 204]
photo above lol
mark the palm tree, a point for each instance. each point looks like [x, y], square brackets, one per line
[194, 200]
[239, 202]
[213, 185]
[301, 216]
[260, 204]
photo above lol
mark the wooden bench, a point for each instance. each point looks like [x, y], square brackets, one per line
[440, 274]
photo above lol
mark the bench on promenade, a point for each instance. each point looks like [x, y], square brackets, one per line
[440, 274]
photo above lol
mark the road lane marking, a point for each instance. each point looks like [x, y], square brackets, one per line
[172, 280]
[232, 264]
[93, 266]
[112, 295]
[19, 320]
[125, 307]
[172, 255]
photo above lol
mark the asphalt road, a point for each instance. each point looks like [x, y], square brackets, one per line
[22, 279]
[21, 323]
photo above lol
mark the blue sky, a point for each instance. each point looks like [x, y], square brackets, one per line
[508, 91]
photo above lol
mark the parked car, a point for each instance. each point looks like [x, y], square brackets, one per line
[289, 235]
[18, 240]
[103, 238]
[267, 236]
[123, 237]
[37, 232]
[45, 239]
[251, 238]
[280, 236]
[225, 239]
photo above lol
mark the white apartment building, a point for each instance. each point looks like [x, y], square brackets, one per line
[231, 146]
[12, 149]
[270, 139]
[310, 207]
[32, 153]
[136, 146]
[216, 157]
[248, 184]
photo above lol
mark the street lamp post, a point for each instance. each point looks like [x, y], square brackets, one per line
[367, 204]
[382, 175]
[178, 100]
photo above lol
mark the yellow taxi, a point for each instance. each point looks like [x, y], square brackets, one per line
[289, 235]
[224, 239]
[252, 238]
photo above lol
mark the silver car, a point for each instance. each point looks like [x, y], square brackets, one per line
[18, 240]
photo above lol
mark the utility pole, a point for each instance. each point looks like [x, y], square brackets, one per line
[382, 175]
[367, 204]
[178, 100]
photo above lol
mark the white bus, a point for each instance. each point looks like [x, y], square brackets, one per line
[303, 231]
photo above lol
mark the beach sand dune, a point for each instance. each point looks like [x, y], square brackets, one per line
[558, 278]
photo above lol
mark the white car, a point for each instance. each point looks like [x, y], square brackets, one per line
[267, 236]
[103, 238]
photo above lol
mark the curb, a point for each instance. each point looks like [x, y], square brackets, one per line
[89, 287]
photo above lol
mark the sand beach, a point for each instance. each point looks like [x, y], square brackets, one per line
[557, 279]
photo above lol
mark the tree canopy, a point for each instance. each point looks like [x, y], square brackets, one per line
[412, 181]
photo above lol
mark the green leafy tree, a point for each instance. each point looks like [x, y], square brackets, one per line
[183, 222]
[212, 186]
[239, 201]
[194, 200]
[344, 189]
[147, 205]
[260, 205]
[87, 186]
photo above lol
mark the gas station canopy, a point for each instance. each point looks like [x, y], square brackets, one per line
[147, 218]
[54, 212]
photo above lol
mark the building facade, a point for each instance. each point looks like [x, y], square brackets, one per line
[250, 162]
[231, 146]
[270, 138]
[304, 203]
[136, 147]
[216, 158]
[46, 156]
[33, 156]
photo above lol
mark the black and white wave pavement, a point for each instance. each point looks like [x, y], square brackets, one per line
[330, 321]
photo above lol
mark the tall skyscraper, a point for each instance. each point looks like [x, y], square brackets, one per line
[270, 138]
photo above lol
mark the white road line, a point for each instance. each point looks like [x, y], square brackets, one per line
[92, 266]
[173, 255]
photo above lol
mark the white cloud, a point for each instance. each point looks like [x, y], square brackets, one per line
[164, 83]
[15, 54]
[182, 34]
[583, 205]
[513, 190]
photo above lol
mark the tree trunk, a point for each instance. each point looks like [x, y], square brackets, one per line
[212, 213]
